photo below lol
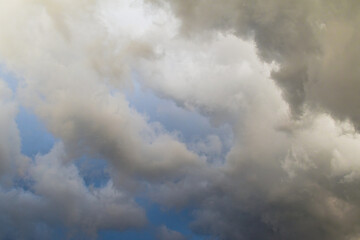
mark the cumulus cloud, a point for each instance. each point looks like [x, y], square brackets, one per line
[314, 43]
[295, 190]
[73, 98]
[61, 81]
[89, 209]
[57, 196]
[38, 196]
[282, 74]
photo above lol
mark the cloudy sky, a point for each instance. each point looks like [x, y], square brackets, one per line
[181, 119]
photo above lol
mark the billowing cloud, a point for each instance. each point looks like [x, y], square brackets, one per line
[315, 44]
[38, 196]
[78, 206]
[57, 197]
[282, 74]
[279, 168]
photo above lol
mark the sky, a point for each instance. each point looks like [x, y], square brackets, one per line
[174, 120]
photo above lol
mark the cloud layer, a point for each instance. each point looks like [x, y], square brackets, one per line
[282, 74]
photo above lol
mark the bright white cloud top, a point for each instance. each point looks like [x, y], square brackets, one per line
[278, 81]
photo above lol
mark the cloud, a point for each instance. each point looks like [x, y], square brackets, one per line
[314, 43]
[283, 75]
[38, 196]
[167, 234]
[58, 197]
[75, 204]
[11, 161]
[72, 97]
[279, 168]
[292, 191]
[75, 98]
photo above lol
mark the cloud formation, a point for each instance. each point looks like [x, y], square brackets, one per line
[282, 74]
[314, 43]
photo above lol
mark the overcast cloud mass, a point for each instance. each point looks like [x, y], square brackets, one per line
[252, 127]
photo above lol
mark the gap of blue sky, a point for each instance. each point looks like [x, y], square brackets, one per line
[190, 126]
